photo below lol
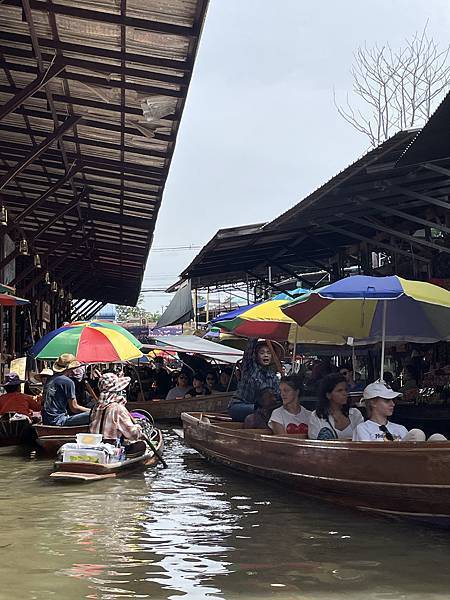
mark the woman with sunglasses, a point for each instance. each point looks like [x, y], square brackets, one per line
[182, 388]
[333, 418]
[380, 405]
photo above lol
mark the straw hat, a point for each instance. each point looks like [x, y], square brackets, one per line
[65, 362]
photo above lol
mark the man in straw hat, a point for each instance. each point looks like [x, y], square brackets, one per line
[60, 396]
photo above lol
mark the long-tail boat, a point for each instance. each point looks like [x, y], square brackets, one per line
[403, 479]
[88, 472]
[171, 410]
[50, 437]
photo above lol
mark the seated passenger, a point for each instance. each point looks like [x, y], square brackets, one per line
[182, 388]
[291, 417]
[111, 418]
[380, 405]
[198, 386]
[352, 384]
[333, 418]
[212, 383]
[264, 406]
[14, 401]
[60, 406]
[227, 381]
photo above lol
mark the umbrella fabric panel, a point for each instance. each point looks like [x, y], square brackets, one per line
[426, 292]
[363, 286]
[8, 300]
[57, 342]
[108, 325]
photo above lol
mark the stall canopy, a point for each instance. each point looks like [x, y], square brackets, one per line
[192, 344]
[180, 309]
[91, 97]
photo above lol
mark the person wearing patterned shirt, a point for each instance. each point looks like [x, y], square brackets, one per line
[257, 374]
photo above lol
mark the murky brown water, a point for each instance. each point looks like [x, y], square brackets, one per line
[197, 531]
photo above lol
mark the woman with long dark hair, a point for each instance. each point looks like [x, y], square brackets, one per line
[333, 418]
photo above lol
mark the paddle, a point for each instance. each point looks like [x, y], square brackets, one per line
[146, 437]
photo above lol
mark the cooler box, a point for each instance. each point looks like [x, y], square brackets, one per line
[73, 453]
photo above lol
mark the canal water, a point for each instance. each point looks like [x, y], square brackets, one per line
[196, 531]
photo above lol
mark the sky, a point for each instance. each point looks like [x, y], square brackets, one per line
[260, 129]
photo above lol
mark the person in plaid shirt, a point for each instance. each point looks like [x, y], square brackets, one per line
[256, 375]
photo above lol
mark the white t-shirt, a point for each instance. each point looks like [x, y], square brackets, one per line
[177, 392]
[285, 418]
[316, 424]
[369, 431]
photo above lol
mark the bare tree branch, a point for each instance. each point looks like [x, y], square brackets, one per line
[395, 89]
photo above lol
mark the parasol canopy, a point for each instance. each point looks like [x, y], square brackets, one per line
[267, 320]
[89, 342]
[9, 300]
[376, 309]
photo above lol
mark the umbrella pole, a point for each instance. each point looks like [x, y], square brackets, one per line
[295, 347]
[383, 339]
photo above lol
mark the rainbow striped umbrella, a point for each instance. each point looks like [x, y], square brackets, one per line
[9, 300]
[267, 320]
[89, 342]
[376, 309]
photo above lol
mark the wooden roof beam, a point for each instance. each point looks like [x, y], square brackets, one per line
[49, 192]
[376, 244]
[97, 51]
[109, 17]
[22, 95]
[38, 150]
[419, 196]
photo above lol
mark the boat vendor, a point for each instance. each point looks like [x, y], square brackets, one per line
[111, 418]
[14, 401]
[60, 396]
[333, 418]
[292, 417]
[379, 400]
[256, 374]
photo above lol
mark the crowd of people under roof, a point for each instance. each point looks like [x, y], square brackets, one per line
[260, 398]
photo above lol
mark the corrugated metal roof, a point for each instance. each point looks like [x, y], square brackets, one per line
[107, 61]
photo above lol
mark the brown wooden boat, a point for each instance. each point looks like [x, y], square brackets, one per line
[88, 472]
[407, 479]
[170, 410]
[15, 432]
[50, 437]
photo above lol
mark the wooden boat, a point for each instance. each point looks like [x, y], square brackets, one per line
[407, 479]
[170, 410]
[88, 472]
[50, 437]
[15, 432]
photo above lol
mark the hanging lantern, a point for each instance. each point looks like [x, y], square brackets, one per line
[69, 297]
[23, 247]
[47, 278]
[54, 287]
[3, 215]
[37, 261]
[61, 293]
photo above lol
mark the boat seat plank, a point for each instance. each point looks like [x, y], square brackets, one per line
[81, 476]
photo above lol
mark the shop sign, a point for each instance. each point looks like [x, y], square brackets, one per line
[45, 312]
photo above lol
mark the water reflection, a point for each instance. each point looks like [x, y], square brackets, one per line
[197, 531]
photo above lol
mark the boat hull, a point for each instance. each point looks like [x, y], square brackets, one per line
[171, 410]
[408, 479]
[88, 472]
[50, 438]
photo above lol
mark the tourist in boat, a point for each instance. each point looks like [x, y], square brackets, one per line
[212, 383]
[256, 374]
[60, 396]
[111, 418]
[352, 384]
[199, 387]
[13, 401]
[380, 405]
[227, 381]
[182, 388]
[333, 418]
[409, 388]
[161, 378]
[264, 407]
[292, 417]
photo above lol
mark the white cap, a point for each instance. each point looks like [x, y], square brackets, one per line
[379, 389]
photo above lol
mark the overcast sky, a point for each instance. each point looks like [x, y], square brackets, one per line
[260, 130]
